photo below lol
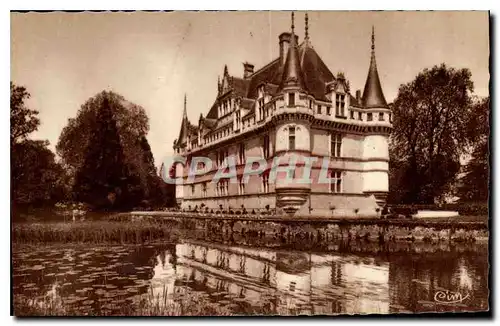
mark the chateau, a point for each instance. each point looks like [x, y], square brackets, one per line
[292, 107]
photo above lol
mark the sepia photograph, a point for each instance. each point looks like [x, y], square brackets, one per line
[250, 163]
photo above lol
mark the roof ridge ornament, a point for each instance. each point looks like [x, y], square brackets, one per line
[306, 38]
[184, 113]
[373, 40]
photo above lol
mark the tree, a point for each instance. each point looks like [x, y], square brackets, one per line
[131, 122]
[36, 178]
[429, 135]
[475, 182]
[102, 180]
[106, 149]
[23, 120]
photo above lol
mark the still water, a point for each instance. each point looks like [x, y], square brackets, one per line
[253, 280]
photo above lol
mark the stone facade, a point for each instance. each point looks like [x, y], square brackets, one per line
[294, 108]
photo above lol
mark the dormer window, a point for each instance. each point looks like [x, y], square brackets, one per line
[261, 108]
[340, 105]
[291, 99]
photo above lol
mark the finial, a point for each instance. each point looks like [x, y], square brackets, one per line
[293, 26]
[307, 27]
[185, 105]
[373, 38]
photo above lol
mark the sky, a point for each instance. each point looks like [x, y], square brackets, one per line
[153, 59]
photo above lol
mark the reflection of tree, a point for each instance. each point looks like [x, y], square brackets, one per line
[417, 278]
[162, 258]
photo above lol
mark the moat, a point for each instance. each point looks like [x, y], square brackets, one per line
[252, 276]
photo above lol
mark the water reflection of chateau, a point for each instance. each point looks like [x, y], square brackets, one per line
[282, 282]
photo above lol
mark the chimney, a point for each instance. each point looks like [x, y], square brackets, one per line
[247, 69]
[285, 39]
[358, 96]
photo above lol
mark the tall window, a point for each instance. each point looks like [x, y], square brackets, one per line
[291, 99]
[222, 188]
[241, 186]
[319, 109]
[192, 190]
[238, 119]
[381, 116]
[335, 181]
[369, 116]
[265, 146]
[360, 116]
[261, 109]
[291, 138]
[328, 110]
[204, 189]
[340, 105]
[221, 157]
[265, 182]
[241, 153]
[335, 144]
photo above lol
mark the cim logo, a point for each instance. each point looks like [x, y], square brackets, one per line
[449, 297]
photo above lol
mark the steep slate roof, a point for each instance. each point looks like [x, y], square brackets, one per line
[315, 75]
[270, 73]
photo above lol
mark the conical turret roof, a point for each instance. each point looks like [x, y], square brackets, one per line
[182, 139]
[373, 96]
[292, 72]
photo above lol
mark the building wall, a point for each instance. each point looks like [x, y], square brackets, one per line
[363, 163]
[352, 144]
